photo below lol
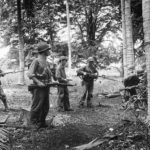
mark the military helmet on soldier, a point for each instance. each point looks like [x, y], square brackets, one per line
[43, 47]
[90, 59]
[63, 58]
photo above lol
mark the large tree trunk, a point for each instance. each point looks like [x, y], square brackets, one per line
[124, 38]
[146, 26]
[91, 28]
[129, 34]
[21, 47]
[69, 38]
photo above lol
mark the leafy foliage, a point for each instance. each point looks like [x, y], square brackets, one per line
[92, 21]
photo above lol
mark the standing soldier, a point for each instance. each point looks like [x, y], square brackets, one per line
[88, 74]
[2, 94]
[63, 94]
[40, 73]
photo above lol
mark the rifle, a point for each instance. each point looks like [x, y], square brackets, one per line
[101, 76]
[4, 73]
[53, 84]
[106, 77]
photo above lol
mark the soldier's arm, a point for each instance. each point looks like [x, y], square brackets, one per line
[59, 77]
[32, 71]
[96, 73]
[81, 71]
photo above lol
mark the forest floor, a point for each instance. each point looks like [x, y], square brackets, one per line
[81, 125]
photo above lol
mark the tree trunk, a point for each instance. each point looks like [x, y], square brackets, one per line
[21, 47]
[50, 30]
[69, 39]
[124, 38]
[146, 26]
[91, 28]
[129, 33]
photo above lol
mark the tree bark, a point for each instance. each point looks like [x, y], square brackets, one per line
[69, 38]
[124, 38]
[91, 28]
[146, 26]
[129, 33]
[21, 45]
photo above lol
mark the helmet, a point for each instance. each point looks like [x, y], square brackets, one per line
[63, 58]
[43, 47]
[90, 59]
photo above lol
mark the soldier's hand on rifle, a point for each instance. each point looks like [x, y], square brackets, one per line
[84, 73]
[66, 80]
[2, 74]
[40, 83]
[96, 75]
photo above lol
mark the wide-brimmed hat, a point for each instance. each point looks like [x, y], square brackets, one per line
[90, 59]
[63, 58]
[43, 47]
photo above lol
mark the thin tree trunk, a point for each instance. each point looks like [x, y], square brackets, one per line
[21, 47]
[129, 34]
[146, 26]
[50, 28]
[124, 38]
[69, 38]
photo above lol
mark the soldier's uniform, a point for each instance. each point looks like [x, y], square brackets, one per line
[40, 96]
[63, 94]
[2, 94]
[88, 73]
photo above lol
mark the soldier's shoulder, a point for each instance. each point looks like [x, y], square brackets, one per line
[35, 62]
[58, 67]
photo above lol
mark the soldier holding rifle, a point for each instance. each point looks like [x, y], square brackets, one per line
[40, 73]
[88, 74]
[63, 94]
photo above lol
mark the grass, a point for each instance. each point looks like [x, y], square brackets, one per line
[84, 124]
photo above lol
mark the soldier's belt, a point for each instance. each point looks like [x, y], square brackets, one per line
[53, 84]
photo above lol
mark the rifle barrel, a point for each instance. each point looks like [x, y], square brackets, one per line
[12, 72]
[105, 77]
[34, 86]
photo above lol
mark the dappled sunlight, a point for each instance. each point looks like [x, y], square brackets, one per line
[4, 51]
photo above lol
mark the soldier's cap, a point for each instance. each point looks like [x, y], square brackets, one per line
[13, 40]
[43, 47]
[131, 67]
[34, 51]
[139, 72]
[63, 58]
[90, 59]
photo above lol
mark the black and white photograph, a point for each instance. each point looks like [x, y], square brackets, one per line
[74, 74]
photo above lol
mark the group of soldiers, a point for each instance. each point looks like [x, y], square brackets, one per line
[41, 74]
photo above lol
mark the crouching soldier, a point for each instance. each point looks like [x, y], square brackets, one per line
[88, 74]
[63, 94]
[2, 94]
[40, 73]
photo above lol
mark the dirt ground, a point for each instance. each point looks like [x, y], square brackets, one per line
[82, 126]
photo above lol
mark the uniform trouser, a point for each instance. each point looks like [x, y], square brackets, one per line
[3, 97]
[63, 98]
[87, 92]
[40, 105]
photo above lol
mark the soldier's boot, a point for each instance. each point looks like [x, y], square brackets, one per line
[89, 103]
[5, 103]
[81, 103]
